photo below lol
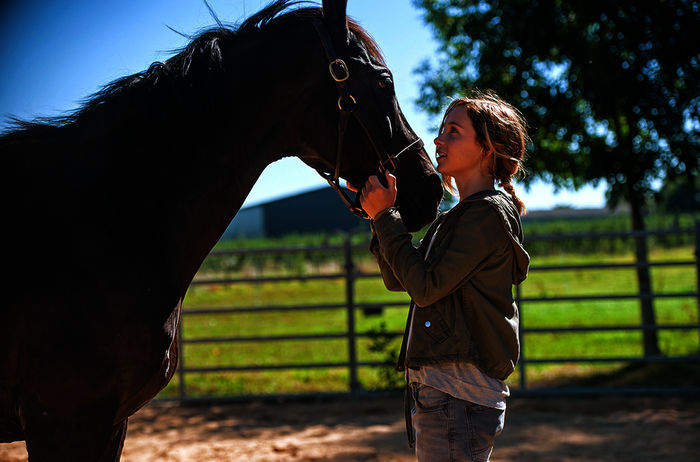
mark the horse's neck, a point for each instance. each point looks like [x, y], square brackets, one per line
[265, 128]
[179, 173]
[206, 210]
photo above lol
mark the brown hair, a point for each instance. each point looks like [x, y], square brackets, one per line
[500, 129]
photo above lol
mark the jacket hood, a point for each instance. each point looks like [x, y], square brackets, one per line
[511, 223]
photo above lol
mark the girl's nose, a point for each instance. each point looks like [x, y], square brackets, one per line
[437, 141]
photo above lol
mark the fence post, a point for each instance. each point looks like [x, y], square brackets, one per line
[181, 360]
[697, 267]
[350, 305]
[519, 303]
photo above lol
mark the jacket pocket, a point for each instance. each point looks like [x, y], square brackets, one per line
[433, 324]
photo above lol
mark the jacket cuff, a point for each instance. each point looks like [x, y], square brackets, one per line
[388, 223]
[382, 212]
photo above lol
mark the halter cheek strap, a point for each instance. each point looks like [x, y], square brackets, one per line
[340, 73]
[346, 102]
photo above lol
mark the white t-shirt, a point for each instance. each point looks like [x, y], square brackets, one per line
[463, 381]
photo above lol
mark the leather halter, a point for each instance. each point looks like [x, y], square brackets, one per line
[346, 104]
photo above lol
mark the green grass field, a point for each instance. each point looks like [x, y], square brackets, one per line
[605, 344]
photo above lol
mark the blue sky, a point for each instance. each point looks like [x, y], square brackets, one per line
[54, 53]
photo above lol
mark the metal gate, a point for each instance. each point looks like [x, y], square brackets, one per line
[351, 274]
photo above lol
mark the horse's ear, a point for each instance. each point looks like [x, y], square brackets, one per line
[336, 19]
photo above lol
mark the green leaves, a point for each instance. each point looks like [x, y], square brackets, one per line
[611, 91]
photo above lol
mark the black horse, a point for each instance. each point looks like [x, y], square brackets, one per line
[109, 212]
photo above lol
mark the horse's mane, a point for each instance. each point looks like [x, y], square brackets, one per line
[204, 50]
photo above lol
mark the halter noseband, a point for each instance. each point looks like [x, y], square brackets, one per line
[346, 104]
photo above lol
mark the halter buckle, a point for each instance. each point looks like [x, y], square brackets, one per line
[339, 65]
[352, 103]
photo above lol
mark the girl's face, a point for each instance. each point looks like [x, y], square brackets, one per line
[457, 151]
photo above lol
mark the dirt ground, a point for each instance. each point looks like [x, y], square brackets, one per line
[634, 429]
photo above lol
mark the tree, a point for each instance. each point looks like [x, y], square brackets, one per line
[611, 90]
[676, 197]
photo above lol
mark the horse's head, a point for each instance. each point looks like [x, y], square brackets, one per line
[360, 129]
[310, 83]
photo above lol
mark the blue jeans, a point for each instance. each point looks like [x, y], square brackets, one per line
[451, 429]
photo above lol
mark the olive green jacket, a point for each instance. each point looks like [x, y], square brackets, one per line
[462, 301]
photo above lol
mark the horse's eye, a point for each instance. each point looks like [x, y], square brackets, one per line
[385, 82]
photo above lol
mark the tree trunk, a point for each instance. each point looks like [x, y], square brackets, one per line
[650, 338]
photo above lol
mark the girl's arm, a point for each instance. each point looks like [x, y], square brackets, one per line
[462, 252]
[380, 199]
[390, 281]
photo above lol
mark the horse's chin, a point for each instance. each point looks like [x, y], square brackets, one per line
[413, 220]
[419, 208]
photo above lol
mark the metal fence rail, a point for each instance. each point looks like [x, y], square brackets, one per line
[524, 301]
[351, 274]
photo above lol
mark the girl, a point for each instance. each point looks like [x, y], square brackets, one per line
[461, 339]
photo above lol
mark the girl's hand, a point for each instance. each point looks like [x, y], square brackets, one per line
[374, 196]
